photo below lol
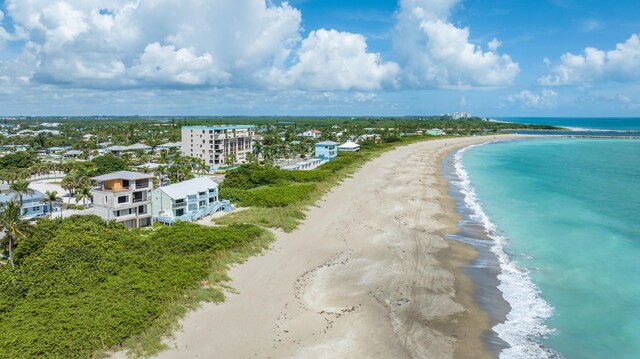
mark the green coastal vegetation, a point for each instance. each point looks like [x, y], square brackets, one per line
[278, 198]
[80, 287]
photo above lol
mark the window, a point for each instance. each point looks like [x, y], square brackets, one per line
[106, 199]
[35, 209]
[123, 199]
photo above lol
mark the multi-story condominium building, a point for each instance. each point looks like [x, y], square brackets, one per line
[124, 197]
[32, 205]
[218, 145]
[185, 199]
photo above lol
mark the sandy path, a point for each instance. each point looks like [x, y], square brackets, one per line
[367, 275]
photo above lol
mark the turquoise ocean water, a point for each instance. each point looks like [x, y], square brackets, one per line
[564, 217]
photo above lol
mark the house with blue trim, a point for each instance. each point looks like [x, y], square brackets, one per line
[326, 150]
[32, 205]
[187, 201]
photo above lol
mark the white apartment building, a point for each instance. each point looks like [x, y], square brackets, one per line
[217, 144]
[124, 197]
[460, 115]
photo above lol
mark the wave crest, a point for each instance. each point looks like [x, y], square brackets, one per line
[525, 323]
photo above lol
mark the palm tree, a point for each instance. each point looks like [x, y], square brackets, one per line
[20, 188]
[51, 198]
[84, 194]
[15, 228]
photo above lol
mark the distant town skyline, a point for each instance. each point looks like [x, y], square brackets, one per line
[310, 57]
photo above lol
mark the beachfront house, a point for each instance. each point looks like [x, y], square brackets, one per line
[218, 145]
[349, 147]
[435, 132]
[326, 150]
[186, 201]
[32, 206]
[124, 197]
[304, 165]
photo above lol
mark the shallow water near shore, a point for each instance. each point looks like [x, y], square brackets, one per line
[564, 213]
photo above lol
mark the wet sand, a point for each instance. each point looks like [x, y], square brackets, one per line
[369, 274]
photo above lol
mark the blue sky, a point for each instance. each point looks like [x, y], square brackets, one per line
[320, 57]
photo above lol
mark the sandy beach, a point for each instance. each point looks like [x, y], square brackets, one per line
[369, 274]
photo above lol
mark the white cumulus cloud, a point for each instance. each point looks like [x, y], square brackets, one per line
[332, 60]
[544, 99]
[621, 64]
[182, 66]
[436, 53]
[182, 43]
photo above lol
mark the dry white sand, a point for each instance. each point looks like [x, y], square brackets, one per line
[367, 275]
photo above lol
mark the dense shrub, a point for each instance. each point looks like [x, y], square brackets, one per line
[277, 196]
[83, 284]
[252, 176]
[343, 161]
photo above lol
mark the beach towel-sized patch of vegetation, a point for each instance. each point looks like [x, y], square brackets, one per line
[83, 286]
[277, 199]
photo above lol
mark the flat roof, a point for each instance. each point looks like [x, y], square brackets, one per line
[326, 143]
[235, 127]
[125, 175]
[188, 188]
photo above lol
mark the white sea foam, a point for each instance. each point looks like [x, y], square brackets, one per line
[525, 324]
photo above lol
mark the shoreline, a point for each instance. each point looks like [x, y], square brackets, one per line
[371, 272]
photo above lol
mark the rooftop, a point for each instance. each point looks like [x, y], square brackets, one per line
[125, 175]
[35, 195]
[171, 144]
[349, 144]
[326, 143]
[190, 187]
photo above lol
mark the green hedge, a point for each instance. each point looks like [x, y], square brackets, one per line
[84, 285]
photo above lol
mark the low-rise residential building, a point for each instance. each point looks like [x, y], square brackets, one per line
[349, 147]
[327, 150]
[218, 145]
[315, 134]
[118, 150]
[169, 146]
[124, 197]
[304, 165]
[32, 205]
[73, 154]
[435, 132]
[184, 198]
